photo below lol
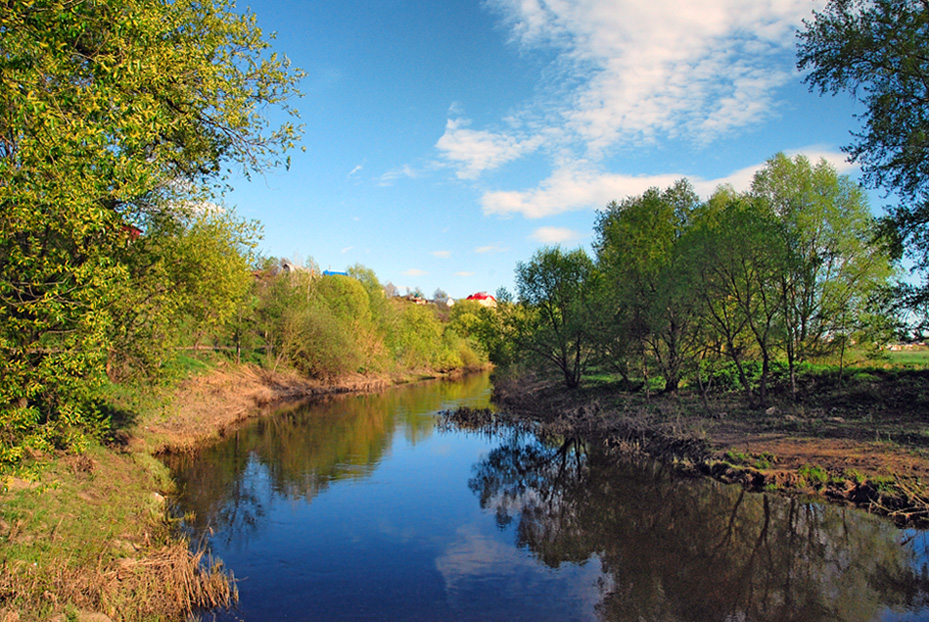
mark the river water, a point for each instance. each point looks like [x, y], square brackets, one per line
[364, 508]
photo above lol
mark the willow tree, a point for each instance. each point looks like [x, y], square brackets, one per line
[832, 266]
[738, 253]
[556, 288]
[649, 278]
[113, 113]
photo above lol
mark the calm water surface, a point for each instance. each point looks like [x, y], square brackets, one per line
[362, 508]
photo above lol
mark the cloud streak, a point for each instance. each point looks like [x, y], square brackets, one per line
[575, 187]
[570, 189]
[490, 248]
[555, 235]
[628, 73]
[475, 151]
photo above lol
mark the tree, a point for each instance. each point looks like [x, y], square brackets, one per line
[736, 249]
[832, 268]
[113, 114]
[188, 276]
[557, 287]
[652, 295]
[878, 51]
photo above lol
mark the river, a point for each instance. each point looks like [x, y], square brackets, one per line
[365, 508]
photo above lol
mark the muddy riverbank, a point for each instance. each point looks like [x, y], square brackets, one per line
[860, 442]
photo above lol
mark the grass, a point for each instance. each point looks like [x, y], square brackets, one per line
[816, 476]
[90, 533]
[918, 358]
[760, 461]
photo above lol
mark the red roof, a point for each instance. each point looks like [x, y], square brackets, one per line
[481, 296]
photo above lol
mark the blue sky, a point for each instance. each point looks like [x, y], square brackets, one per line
[445, 140]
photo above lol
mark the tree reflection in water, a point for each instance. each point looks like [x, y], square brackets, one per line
[687, 549]
[300, 451]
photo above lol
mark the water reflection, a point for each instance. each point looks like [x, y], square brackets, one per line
[682, 549]
[300, 451]
[361, 507]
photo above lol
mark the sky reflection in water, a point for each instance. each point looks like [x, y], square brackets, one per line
[360, 509]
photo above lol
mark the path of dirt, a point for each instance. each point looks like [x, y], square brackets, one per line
[878, 459]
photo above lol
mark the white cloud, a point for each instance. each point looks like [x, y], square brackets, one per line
[357, 169]
[640, 69]
[415, 272]
[575, 188]
[464, 273]
[490, 248]
[442, 254]
[570, 189]
[403, 172]
[473, 152]
[346, 249]
[555, 235]
[817, 152]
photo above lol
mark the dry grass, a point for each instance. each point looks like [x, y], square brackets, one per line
[90, 533]
[205, 407]
[163, 584]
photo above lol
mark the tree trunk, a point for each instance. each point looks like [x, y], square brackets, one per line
[763, 383]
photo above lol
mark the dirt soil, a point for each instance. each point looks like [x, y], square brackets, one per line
[836, 455]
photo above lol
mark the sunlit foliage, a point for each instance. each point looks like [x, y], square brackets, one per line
[116, 118]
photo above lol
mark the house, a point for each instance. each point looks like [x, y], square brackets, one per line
[484, 299]
[131, 232]
[416, 300]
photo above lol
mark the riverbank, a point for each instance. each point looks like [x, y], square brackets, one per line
[858, 439]
[89, 537]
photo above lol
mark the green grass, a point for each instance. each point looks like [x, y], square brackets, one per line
[910, 358]
[63, 532]
[760, 461]
[814, 475]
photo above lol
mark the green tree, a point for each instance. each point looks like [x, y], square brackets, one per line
[878, 51]
[557, 289]
[415, 337]
[653, 299]
[110, 111]
[489, 330]
[736, 250]
[832, 268]
[188, 276]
